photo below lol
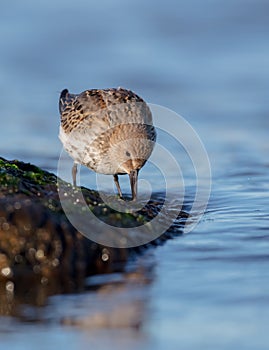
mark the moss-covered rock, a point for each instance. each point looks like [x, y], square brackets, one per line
[35, 234]
[39, 248]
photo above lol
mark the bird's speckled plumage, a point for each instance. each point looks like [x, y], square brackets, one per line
[110, 131]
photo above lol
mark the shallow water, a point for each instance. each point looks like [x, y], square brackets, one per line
[208, 61]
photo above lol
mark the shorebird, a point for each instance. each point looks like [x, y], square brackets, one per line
[110, 131]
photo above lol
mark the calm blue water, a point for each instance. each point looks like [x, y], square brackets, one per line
[206, 60]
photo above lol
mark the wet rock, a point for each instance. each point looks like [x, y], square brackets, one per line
[41, 253]
[37, 240]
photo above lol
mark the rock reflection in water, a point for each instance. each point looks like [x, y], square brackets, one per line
[111, 301]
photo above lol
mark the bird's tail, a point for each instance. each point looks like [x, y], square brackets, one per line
[65, 99]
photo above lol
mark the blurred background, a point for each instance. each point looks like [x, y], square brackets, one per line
[208, 61]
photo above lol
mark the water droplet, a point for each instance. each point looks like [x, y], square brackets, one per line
[10, 286]
[6, 271]
[55, 262]
[40, 254]
[18, 258]
[5, 226]
[17, 205]
[105, 257]
[105, 254]
[44, 280]
[36, 269]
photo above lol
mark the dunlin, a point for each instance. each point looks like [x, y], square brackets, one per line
[110, 131]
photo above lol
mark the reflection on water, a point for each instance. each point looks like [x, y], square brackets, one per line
[113, 301]
[113, 307]
[209, 62]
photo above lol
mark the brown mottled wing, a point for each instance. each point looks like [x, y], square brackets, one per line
[75, 108]
[113, 106]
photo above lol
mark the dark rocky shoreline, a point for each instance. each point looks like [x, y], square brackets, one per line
[39, 248]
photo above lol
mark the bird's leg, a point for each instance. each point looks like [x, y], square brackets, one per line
[116, 180]
[74, 174]
[133, 182]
